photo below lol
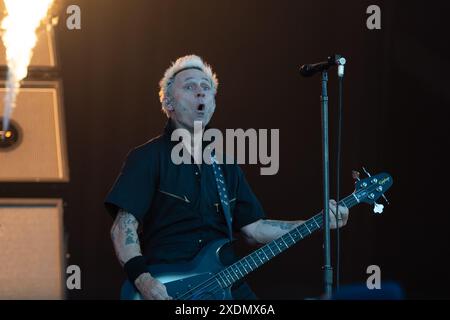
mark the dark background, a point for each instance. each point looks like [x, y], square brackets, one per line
[395, 120]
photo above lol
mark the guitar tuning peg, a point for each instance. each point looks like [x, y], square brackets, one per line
[366, 172]
[369, 175]
[378, 208]
[355, 175]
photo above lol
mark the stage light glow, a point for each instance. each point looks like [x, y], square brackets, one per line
[19, 26]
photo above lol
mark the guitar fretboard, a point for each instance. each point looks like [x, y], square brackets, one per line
[257, 258]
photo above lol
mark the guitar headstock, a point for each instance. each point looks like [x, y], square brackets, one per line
[370, 189]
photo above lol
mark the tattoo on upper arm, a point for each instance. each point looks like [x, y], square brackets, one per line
[132, 237]
[128, 225]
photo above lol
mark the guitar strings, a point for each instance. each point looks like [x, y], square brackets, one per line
[214, 281]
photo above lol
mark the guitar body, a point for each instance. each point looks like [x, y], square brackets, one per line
[181, 278]
[206, 278]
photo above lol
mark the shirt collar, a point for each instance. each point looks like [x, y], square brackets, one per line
[170, 127]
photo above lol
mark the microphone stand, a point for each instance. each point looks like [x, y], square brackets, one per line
[327, 268]
[308, 70]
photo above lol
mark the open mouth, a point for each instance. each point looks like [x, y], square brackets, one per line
[201, 107]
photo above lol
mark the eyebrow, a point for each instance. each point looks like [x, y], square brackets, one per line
[190, 78]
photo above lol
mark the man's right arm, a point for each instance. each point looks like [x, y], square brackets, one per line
[126, 244]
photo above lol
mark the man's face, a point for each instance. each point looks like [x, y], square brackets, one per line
[193, 99]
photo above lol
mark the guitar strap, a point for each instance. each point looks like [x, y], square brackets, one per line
[223, 194]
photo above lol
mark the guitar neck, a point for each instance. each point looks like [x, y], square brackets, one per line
[257, 258]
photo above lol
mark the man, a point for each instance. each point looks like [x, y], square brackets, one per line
[178, 206]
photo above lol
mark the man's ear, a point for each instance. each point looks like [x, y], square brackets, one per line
[168, 103]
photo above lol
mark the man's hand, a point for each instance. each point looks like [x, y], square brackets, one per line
[150, 288]
[342, 215]
[263, 231]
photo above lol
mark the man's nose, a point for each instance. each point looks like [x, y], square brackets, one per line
[200, 94]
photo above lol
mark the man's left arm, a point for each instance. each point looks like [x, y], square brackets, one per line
[263, 231]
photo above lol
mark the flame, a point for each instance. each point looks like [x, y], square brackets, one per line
[19, 38]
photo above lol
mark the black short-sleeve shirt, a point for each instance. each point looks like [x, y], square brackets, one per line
[178, 206]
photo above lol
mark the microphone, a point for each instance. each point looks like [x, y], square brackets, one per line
[307, 70]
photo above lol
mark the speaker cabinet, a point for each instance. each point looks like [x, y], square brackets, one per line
[39, 153]
[44, 53]
[31, 249]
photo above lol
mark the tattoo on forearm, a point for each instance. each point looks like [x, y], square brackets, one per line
[280, 224]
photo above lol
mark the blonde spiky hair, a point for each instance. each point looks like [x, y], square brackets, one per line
[186, 62]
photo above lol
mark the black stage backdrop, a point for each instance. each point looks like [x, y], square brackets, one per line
[395, 120]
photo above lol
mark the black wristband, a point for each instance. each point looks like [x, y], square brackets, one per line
[135, 267]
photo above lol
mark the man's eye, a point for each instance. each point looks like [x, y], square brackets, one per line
[189, 87]
[206, 88]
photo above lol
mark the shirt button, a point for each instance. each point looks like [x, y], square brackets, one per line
[200, 241]
[196, 173]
